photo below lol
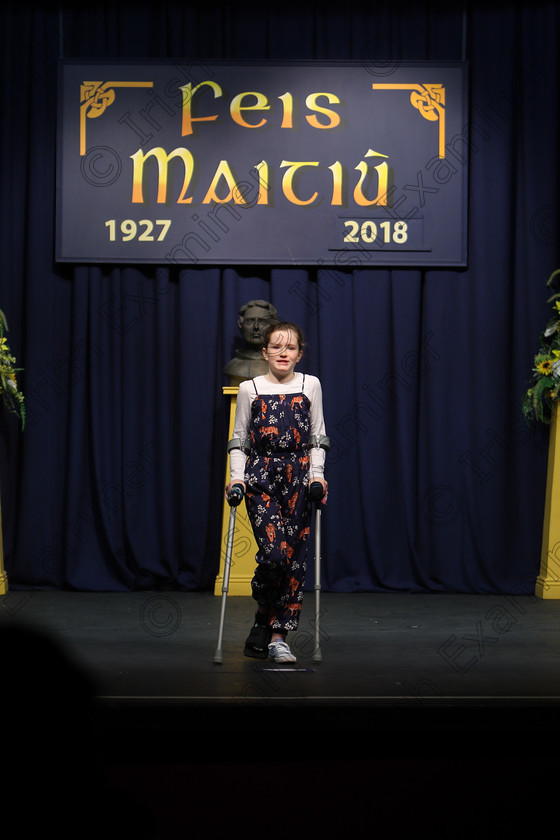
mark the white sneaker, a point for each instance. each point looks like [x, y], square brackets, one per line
[280, 651]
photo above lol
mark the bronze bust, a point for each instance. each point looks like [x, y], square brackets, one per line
[253, 319]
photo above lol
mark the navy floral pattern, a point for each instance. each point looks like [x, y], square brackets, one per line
[277, 476]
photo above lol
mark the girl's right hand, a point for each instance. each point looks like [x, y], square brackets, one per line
[230, 485]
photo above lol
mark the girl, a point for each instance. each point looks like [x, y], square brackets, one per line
[280, 415]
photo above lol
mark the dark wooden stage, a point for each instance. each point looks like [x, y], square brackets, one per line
[419, 701]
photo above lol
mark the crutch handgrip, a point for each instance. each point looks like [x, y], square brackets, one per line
[316, 491]
[236, 494]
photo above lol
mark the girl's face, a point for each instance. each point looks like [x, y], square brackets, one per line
[282, 354]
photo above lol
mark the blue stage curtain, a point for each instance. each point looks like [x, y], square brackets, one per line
[436, 483]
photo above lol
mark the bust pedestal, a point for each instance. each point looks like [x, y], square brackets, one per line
[3, 575]
[244, 546]
[548, 581]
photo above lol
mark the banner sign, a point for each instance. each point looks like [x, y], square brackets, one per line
[280, 163]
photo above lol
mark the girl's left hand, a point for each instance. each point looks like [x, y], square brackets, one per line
[322, 482]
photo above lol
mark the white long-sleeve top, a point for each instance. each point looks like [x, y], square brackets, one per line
[311, 387]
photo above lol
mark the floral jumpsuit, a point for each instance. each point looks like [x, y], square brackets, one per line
[278, 504]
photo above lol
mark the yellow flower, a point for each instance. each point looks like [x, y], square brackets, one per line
[544, 366]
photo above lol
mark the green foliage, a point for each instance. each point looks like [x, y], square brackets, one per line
[9, 390]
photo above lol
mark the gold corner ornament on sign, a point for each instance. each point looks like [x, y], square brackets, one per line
[429, 100]
[95, 98]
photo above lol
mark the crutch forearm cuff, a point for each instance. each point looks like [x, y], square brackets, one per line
[320, 442]
[239, 443]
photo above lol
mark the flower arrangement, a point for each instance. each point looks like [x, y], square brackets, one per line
[544, 390]
[11, 395]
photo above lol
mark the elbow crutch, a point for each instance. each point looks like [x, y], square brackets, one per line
[234, 499]
[316, 492]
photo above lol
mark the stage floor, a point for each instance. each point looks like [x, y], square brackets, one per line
[427, 712]
[389, 651]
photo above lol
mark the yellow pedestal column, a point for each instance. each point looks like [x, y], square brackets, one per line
[3, 575]
[244, 546]
[548, 581]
